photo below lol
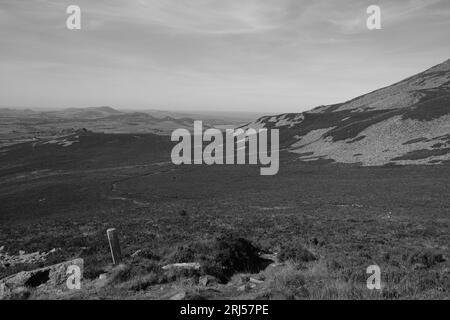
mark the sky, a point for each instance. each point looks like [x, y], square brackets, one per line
[269, 56]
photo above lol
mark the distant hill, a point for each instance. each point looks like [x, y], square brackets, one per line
[405, 123]
[21, 125]
[69, 113]
[84, 113]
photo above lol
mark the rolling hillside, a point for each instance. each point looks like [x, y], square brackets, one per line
[405, 123]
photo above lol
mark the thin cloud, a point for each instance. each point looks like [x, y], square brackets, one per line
[212, 54]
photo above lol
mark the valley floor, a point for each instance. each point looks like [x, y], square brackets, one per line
[348, 217]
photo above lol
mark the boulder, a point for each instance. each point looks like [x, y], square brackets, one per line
[207, 280]
[7, 260]
[178, 296]
[48, 278]
[186, 265]
[255, 281]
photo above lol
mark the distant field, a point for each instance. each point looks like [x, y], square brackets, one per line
[23, 125]
[349, 217]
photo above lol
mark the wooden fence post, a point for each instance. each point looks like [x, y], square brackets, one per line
[113, 239]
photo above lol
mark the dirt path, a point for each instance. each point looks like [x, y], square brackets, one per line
[120, 195]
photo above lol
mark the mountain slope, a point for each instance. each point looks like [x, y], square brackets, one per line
[405, 123]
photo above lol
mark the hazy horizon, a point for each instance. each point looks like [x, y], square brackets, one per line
[118, 108]
[249, 56]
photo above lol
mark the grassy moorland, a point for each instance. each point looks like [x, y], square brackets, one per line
[325, 223]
